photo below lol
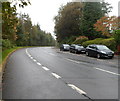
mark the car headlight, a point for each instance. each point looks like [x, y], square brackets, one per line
[103, 52]
[112, 52]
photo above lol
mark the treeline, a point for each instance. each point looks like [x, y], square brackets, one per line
[77, 19]
[18, 30]
[31, 35]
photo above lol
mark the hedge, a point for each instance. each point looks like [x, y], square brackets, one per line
[110, 42]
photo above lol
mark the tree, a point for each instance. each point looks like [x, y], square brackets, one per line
[67, 21]
[24, 29]
[77, 19]
[92, 11]
[9, 21]
[31, 35]
[107, 25]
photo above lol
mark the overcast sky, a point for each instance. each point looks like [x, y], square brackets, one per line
[43, 12]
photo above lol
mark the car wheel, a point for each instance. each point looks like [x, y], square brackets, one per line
[98, 56]
[75, 52]
[87, 54]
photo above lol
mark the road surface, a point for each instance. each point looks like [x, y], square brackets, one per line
[47, 73]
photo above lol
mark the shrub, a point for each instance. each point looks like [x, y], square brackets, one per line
[7, 44]
[110, 42]
[80, 40]
[117, 36]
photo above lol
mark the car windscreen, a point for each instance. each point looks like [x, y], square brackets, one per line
[66, 45]
[79, 46]
[102, 47]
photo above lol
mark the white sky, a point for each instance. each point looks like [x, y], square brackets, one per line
[43, 12]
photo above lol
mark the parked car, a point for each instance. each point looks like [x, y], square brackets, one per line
[64, 47]
[99, 51]
[77, 48]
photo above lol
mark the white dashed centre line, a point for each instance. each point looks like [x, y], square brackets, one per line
[31, 57]
[34, 60]
[106, 71]
[45, 68]
[26, 51]
[39, 63]
[77, 89]
[56, 76]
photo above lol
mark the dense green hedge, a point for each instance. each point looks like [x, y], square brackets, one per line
[110, 42]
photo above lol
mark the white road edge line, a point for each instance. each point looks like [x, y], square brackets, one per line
[45, 68]
[56, 76]
[106, 71]
[39, 63]
[77, 89]
[73, 61]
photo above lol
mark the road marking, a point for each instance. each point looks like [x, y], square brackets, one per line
[31, 57]
[106, 71]
[26, 51]
[34, 60]
[39, 63]
[52, 54]
[45, 68]
[111, 62]
[72, 60]
[77, 89]
[100, 60]
[56, 76]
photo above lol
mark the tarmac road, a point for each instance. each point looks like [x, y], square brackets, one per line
[47, 73]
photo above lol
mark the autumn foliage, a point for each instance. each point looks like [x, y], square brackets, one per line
[107, 24]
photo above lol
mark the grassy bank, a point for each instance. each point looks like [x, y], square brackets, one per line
[7, 52]
[4, 54]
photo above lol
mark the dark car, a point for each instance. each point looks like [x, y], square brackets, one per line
[77, 48]
[99, 51]
[64, 47]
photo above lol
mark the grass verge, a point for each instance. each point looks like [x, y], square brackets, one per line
[4, 56]
[7, 52]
